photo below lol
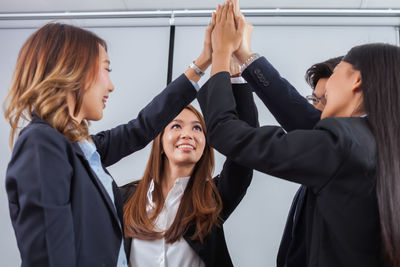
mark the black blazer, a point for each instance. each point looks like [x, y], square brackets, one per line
[336, 160]
[60, 211]
[293, 112]
[231, 183]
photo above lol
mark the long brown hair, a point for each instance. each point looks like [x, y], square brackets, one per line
[55, 60]
[200, 205]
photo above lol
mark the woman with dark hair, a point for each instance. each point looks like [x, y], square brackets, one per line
[64, 206]
[174, 214]
[349, 161]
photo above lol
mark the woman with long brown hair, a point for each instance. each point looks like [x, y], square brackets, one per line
[173, 216]
[64, 205]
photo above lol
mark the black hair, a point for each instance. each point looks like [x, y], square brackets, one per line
[321, 70]
[379, 65]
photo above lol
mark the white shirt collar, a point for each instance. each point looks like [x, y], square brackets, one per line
[177, 190]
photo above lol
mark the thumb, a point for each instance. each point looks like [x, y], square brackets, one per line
[241, 25]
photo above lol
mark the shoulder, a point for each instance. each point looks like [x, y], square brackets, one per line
[346, 126]
[353, 132]
[128, 190]
[41, 134]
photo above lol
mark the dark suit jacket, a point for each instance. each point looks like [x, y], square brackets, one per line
[335, 160]
[231, 183]
[60, 211]
[293, 112]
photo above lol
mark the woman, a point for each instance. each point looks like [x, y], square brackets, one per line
[177, 198]
[174, 214]
[62, 200]
[349, 161]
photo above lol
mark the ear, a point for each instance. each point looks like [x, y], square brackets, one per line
[356, 80]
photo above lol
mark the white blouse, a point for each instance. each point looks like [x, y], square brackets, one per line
[158, 253]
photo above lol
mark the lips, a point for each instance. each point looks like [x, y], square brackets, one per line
[186, 147]
[104, 100]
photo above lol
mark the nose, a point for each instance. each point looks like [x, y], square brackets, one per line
[111, 86]
[186, 134]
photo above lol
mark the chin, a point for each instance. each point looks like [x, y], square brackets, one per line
[187, 161]
[325, 114]
[96, 117]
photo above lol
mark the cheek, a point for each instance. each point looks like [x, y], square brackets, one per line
[168, 141]
[201, 142]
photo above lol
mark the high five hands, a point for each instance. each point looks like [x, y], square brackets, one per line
[231, 36]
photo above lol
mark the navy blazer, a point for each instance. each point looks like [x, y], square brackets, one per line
[232, 184]
[290, 109]
[293, 112]
[336, 161]
[60, 211]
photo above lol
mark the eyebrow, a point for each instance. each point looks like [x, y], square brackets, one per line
[181, 121]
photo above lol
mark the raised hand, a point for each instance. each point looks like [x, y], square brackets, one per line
[244, 52]
[204, 60]
[225, 38]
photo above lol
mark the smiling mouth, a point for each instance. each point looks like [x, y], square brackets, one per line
[186, 147]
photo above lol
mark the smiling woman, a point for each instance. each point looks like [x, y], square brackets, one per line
[175, 213]
[64, 205]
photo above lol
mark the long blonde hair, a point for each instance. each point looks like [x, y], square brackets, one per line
[56, 60]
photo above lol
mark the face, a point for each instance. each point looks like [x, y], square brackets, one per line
[343, 92]
[94, 99]
[183, 140]
[319, 91]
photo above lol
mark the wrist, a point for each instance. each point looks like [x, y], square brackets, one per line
[221, 54]
[203, 62]
[242, 56]
[220, 62]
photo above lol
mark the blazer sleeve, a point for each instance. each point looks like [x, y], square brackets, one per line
[234, 179]
[114, 144]
[309, 157]
[38, 183]
[289, 108]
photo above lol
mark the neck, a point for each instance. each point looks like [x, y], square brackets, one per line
[171, 172]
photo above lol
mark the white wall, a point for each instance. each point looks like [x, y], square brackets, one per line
[139, 62]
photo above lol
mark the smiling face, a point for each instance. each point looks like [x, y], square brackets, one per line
[94, 99]
[343, 92]
[183, 140]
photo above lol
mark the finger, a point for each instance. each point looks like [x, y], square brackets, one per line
[218, 14]
[236, 7]
[225, 11]
[241, 25]
[230, 15]
[213, 19]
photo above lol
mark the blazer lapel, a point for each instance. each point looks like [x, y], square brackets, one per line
[99, 185]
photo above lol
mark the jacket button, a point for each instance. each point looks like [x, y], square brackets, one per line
[257, 71]
[266, 84]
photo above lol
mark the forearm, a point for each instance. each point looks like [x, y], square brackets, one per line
[289, 108]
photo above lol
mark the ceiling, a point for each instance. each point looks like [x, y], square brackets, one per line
[14, 6]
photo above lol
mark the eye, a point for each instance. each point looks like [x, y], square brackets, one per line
[176, 126]
[197, 128]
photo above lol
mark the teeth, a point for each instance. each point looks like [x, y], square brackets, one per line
[186, 146]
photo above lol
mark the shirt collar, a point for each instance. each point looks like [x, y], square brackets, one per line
[88, 148]
[179, 188]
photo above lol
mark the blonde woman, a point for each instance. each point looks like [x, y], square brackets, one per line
[64, 205]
